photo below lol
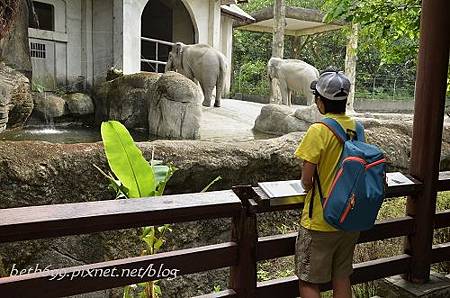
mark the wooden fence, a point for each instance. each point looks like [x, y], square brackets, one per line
[241, 253]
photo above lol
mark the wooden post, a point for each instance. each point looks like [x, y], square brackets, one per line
[350, 65]
[279, 22]
[427, 132]
[244, 233]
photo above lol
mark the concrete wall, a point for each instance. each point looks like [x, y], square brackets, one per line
[52, 70]
[181, 31]
[226, 47]
[87, 53]
[102, 36]
[73, 25]
[384, 106]
[201, 12]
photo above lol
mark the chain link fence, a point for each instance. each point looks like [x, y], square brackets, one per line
[375, 87]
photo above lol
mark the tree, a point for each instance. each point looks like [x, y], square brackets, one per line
[8, 12]
[14, 20]
[392, 25]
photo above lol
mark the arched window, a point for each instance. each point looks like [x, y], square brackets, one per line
[46, 16]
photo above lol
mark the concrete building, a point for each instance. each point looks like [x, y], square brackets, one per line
[77, 41]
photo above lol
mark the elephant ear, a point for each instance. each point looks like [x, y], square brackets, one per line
[178, 48]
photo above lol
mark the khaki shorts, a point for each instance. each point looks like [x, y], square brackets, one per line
[322, 256]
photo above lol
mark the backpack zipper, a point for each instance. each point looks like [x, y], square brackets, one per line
[350, 206]
[339, 174]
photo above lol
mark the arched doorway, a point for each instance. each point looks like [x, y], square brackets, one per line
[162, 23]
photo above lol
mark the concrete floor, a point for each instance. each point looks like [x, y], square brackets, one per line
[233, 121]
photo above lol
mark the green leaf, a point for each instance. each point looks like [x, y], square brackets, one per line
[158, 244]
[127, 292]
[162, 175]
[157, 289]
[146, 230]
[211, 183]
[126, 160]
[149, 238]
[117, 186]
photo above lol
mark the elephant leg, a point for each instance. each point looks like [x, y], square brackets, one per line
[310, 99]
[219, 91]
[284, 92]
[207, 93]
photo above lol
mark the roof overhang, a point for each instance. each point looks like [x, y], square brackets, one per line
[235, 12]
[299, 21]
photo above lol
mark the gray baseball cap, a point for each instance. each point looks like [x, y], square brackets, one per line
[333, 85]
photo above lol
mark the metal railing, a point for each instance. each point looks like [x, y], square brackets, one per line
[156, 61]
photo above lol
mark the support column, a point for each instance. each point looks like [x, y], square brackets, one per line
[350, 65]
[118, 33]
[279, 23]
[214, 24]
[427, 132]
[87, 61]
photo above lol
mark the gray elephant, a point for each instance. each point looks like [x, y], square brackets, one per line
[293, 75]
[203, 63]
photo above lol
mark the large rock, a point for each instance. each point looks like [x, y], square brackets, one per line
[39, 173]
[125, 99]
[49, 106]
[79, 104]
[16, 103]
[175, 108]
[279, 120]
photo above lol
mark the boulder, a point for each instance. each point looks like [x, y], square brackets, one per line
[16, 103]
[175, 108]
[125, 99]
[79, 104]
[48, 105]
[279, 120]
[309, 114]
[113, 73]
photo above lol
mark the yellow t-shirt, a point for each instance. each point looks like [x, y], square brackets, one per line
[319, 146]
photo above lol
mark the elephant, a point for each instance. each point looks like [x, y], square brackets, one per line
[293, 75]
[203, 63]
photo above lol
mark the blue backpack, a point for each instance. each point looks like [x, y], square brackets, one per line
[357, 191]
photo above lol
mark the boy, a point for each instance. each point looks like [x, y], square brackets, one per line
[323, 253]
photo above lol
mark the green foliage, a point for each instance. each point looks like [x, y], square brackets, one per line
[126, 161]
[37, 87]
[252, 79]
[393, 26]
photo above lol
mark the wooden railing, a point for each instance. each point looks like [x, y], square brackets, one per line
[241, 253]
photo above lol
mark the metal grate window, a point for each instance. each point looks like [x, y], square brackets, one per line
[38, 50]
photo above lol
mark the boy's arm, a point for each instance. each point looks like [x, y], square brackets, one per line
[308, 174]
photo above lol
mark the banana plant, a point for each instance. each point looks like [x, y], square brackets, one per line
[134, 177]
